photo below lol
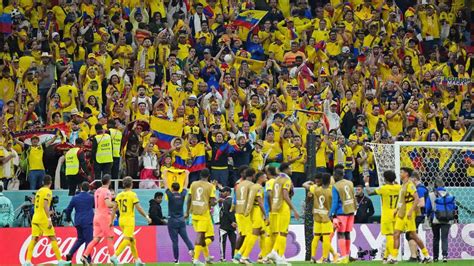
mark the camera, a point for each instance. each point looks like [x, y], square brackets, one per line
[362, 254]
[55, 200]
[28, 199]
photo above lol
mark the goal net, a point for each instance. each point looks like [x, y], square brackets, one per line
[451, 162]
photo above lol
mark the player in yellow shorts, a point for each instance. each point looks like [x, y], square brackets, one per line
[405, 216]
[256, 210]
[202, 195]
[244, 225]
[389, 193]
[127, 203]
[281, 206]
[321, 192]
[41, 224]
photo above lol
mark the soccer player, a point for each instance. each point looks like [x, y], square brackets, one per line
[281, 208]
[244, 225]
[202, 195]
[389, 192]
[256, 211]
[405, 216]
[127, 203]
[342, 211]
[267, 238]
[103, 219]
[321, 193]
[41, 224]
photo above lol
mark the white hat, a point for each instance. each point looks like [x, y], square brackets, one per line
[346, 49]
[74, 111]
[192, 97]
[45, 54]
[55, 34]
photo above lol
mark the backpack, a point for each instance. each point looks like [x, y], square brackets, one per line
[444, 207]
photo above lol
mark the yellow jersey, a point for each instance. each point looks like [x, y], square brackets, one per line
[42, 195]
[389, 194]
[278, 204]
[201, 193]
[407, 197]
[126, 204]
[174, 175]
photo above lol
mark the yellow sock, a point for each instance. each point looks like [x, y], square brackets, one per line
[273, 239]
[424, 251]
[29, 253]
[261, 245]
[282, 245]
[57, 252]
[267, 246]
[326, 246]
[331, 249]
[122, 246]
[133, 248]
[395, 253]
[250, 243]
[388, 246]
[314, 245]
[205, 251]
[197, 251]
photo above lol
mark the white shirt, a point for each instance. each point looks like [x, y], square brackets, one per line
[150, 161]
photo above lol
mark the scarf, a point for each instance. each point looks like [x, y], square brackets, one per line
[197, 22]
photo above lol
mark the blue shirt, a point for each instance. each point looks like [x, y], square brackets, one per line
[175, 206]
[83, 205]
[336, 206]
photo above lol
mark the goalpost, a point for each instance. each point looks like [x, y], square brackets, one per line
[451, 162]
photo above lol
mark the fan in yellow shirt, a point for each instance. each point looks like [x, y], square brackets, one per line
[127, 203]
[297, 159]
[41, 224]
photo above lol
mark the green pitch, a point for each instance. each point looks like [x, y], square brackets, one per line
[357, 263]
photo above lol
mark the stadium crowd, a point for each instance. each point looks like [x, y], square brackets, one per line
[246, 87]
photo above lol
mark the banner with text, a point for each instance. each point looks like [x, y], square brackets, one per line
[154, 244]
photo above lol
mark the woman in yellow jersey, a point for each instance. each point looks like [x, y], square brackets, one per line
[93, 104]
[79, 54]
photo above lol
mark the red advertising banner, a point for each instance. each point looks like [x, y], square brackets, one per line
[14, 244]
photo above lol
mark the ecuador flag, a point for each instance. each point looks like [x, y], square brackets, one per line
[165, 131]
[247, 21]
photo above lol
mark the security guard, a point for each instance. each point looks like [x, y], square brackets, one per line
[102, 149]
[75, 162]
[116, 136]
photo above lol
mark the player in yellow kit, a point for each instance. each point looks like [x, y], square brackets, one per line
[405, 216]
[244, 225]
[281, 207]
[127, 203]
[202, 196]
[389, 193]
[256, 210]
[321, 192]
[41, 224]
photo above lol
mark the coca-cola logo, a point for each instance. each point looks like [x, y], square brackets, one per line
[44, 254]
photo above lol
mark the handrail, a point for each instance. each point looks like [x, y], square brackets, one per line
[116, 182]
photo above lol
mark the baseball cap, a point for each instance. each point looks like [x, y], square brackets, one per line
[207, 50]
